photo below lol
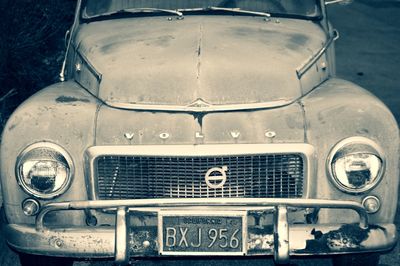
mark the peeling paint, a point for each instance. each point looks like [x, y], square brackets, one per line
[143, 240]
[11, 127]
[347, 237]
[261, 239]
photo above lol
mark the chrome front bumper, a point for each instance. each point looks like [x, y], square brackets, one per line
[282, 240]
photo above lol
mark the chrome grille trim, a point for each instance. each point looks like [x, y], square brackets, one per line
[305, 151]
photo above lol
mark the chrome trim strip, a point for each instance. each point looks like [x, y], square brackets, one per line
[281, 235]
[207, 203]
[200, 109]
[300, 71]
[201, 150]
[303, 149]
[90, 67]
[238, 10]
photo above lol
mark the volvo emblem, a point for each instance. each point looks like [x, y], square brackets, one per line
[216, 177]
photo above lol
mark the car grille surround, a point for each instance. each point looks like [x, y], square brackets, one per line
[247, 176]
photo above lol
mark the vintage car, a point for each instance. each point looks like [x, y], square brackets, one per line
[200, 128]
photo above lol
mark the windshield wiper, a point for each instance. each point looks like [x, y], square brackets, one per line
[238, 10]
[134, 11]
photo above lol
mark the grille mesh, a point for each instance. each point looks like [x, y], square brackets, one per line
[145, 177]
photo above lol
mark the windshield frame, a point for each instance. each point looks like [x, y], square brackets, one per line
[118, 14]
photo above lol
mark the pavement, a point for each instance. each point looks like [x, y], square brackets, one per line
[368, 53]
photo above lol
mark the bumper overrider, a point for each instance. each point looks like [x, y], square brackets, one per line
[123, 241]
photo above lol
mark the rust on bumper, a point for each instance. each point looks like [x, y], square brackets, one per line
[281, 239]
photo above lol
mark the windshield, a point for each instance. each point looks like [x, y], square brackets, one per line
[303, 8]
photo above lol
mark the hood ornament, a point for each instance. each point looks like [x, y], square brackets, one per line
[199, 103]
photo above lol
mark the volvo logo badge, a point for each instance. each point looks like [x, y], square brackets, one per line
[216, 177]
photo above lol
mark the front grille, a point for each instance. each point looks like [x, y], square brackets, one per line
[250, 176]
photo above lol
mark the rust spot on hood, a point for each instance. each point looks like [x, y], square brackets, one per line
[70, 99]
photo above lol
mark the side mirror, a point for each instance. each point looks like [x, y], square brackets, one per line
[342, 2]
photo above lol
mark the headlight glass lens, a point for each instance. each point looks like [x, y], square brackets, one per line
[356, 165]
[44, 170]
[357, 170]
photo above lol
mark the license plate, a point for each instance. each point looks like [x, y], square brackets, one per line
[202, 233]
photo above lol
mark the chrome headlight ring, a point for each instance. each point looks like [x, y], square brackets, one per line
[44, 170]
[356, 164]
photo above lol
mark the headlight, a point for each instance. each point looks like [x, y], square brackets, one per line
[356, 164]
[44, 170]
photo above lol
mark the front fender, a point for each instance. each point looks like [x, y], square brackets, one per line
[337, 110]
[64, 114]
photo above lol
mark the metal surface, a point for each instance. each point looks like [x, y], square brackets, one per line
[132, 10]
[200, 128]
[333, 115]
[226, 203]
[202, 109]
[67, 112]
[308, 64]
[146, 177]
[376, 204]
[86, 63]
[86, 76]
[238, 10]
[185, 171]
[342, 2]
[281, 235]
[99, 242]
[30, 207]
[203, 66]
[121, 237]
[202, 213]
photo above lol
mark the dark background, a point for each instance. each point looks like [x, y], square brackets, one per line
[31, 47]
[32, 51]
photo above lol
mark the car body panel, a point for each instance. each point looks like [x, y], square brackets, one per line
[218, 80]
[352, 111]
[47, 116]
[180, 61]
[149, 128]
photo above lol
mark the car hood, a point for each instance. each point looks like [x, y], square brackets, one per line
[200, 60]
